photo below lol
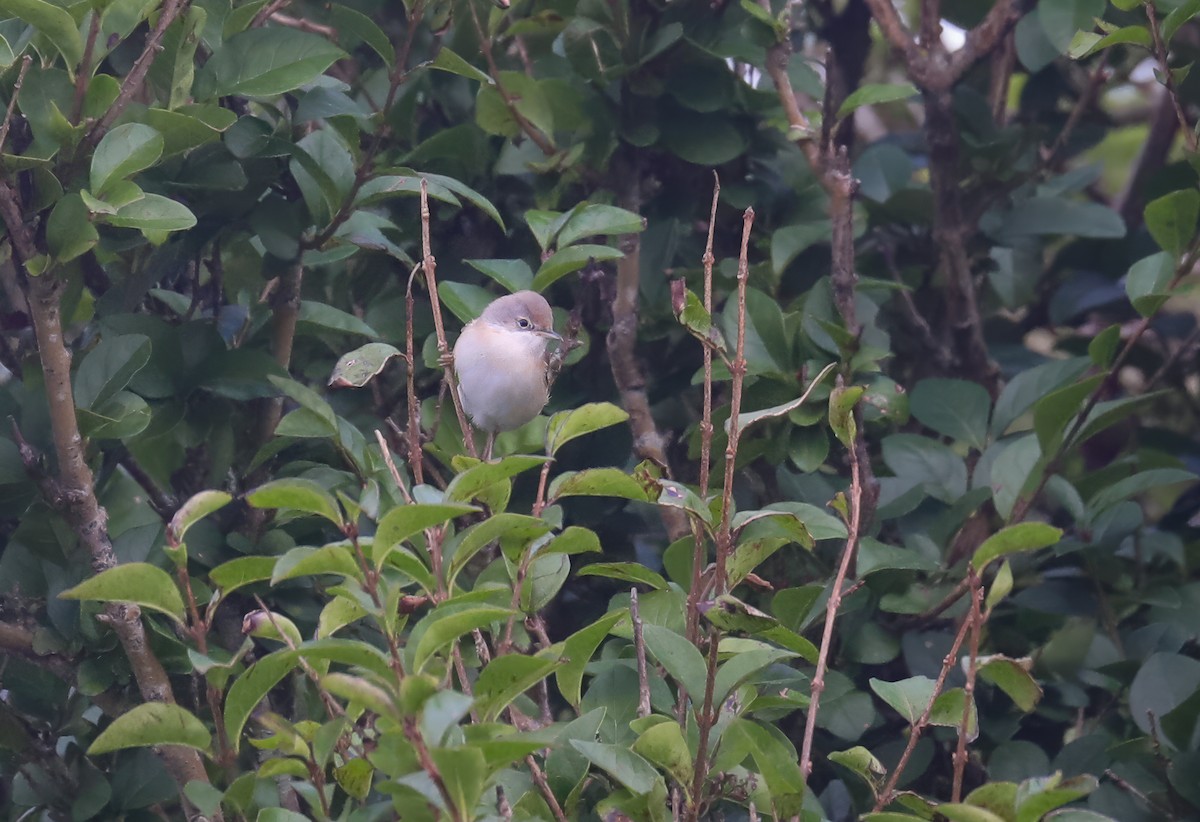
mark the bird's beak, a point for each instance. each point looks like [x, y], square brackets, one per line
[550, 335]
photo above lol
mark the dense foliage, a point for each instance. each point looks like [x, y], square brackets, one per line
[863, 489]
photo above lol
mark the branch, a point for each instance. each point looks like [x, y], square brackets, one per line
[78, 504]
[914, 736]
[18, 640]
[639, 646]
[429, 266]
[976, 618]
[950, 232]
[12, 101]
[897, 34]
[1168, 80]
[699, 542]
[648, 443]
[285, 313]
[983, 38]
[857, 496]
[137, 74]
[542, 141]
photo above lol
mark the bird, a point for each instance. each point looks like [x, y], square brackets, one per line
[502, 362]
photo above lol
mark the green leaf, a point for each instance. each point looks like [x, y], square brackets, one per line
[1084, 43]
[775, 760]
[870, 94]
[1024, 536]
[1172, 219]
[153, 212]
[348, 21]
[356, 368]
[250, 688]
[464, 773]
[406, 521]
[664, 745]
[908, 697]
[53, 22]
[306, 561]
[269, 61]
[195, 509]
[1025, 389]
[569, 259]
[600, 482]
[1060, 19]
[1103, 347]
[743, 665]
[296, 494]
[568, 425]
[1053, 413]
[109, 367]
[309, 399]
[1141, 482]
[465, 300]
[577, 652]
[231, 575]
[953, 408]
[1042, 216]
[152, 723]
[121, 416]
[507, 677]
[749, 418]
[599, 220]
[478, 478]
[1164, 682]
[627, 571]
[681, 659]
[1148, 282]
[1178, 16]
[925, 462]
[138, 582]
[446, 628]
[1011, 472]
[1012, 676]
[329, 318]
[124, 151]
[447, 60]
[622, 764]
[514, 275]
[69, 231]
[841, 413]
[452, 186]
[1037, 796]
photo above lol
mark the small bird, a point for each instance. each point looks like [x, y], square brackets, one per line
[503, 364]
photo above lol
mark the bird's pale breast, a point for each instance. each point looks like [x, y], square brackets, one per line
[501, 376]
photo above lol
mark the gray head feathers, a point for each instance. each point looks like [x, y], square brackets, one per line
[524, 310]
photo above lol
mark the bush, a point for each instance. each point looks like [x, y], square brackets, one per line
[865, 488]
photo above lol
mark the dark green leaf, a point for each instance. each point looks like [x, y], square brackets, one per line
[954, 408]
[141, 583]
[149, 724]
[262, 62]
[1172, 218]
[871, 94]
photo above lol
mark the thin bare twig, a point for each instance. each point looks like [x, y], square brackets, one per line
[856, 498]
[429, 267]
[12, 101]
[976, 618]
[700, 543]
[132, 84]
[889, 790]
[1168, 79]
[639, 646]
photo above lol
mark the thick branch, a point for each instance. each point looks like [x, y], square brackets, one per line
[648, 443]
[983, 38]
[950, 231]
[83, 512]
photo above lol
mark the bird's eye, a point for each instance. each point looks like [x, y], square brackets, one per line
[524, 323]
